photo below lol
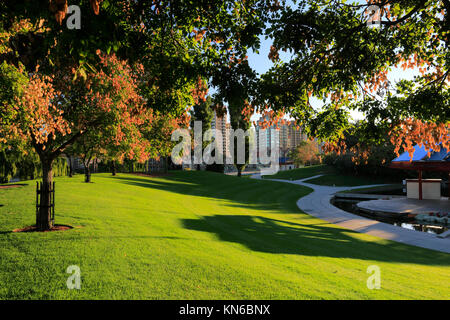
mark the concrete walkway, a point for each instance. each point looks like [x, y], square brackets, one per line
[317, 204]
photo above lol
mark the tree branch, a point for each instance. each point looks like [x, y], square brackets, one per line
[405, 17]
[62, 147]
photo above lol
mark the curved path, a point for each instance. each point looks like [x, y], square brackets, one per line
[317, 204]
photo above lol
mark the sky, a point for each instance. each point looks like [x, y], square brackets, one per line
[261, 64]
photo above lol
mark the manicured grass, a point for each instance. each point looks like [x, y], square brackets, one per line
[200, 235]
[330, 177]
[337, 179]
[302, 173]
[386, 189]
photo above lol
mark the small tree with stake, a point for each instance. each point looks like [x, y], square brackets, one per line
[54, 112]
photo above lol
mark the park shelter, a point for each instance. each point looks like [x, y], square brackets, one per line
[422, 161]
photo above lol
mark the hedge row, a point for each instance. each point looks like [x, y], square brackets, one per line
[27, 167]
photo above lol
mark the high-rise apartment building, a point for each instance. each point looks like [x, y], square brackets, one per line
[220, 124]
[289, 137]
[269, 136]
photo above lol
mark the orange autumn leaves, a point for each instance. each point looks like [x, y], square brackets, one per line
[199, 91]
[424, 133]
[306, 152]
[404, 135]
[106, 103]
[269, 118]
[95, 4]
[113, 94]
[359, 153]
[199, 34]
[273, 54]
[113, 90]
[42, 112]
[59, 8]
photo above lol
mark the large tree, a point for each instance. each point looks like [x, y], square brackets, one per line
[236, 85]
[202, 112]
[341, 59]
[54, 113]
[61, 89]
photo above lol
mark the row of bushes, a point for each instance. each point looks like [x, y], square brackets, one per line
[27, 167]
[16, 165]
[128, 166]
[374, 167]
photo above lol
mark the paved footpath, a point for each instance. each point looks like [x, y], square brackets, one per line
[317, 204]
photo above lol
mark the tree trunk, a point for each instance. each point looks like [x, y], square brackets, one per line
[43, 218]
[87, 174]
[166, 164]
[87, 169]
[70, 167]
[240, 168]
[113, 168]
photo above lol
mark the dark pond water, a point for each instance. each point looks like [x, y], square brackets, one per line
[407, 223]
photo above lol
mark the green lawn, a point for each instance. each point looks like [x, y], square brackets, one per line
[199, 235]
[339, 180]
[330, 177]
[385, 189]
[302, 173]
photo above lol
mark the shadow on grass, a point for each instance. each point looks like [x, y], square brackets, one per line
[109, 238]
[236, 191]
[278, 236]
[284, 237]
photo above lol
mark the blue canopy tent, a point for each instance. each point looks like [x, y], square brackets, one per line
[437, 161]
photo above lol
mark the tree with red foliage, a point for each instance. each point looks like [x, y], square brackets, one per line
[307, 152]
[55, 112]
